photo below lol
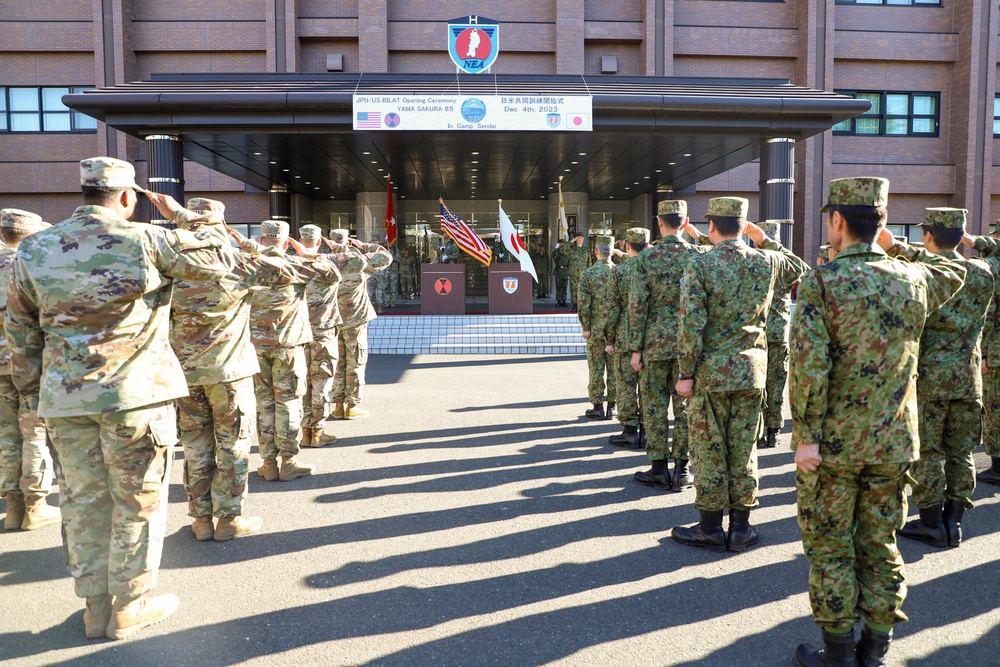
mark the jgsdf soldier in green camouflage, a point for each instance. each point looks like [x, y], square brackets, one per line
[654, 312]
[722, 368]
[359, 261]
[949, 389]
[210, 334]
[593, 311]
[991, 362]
[578, 258]
[560, 271]
[540, 259]
[778, 318]
[616, 337]
[88, 317]
[856, 334]
[25, 474]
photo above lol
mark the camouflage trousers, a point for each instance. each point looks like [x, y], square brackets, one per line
[352, 357]
[378, 292]
[113, 476]
[25, 464]
[408, 283]
[280, 386]
[216, 424]
[991, 401]
[724, 427]
[321, 359]
[562, 284]
[949, 431]
[626, 388]
[392, 291]
[657, 382]
[777, 377]
[848, 515]
[600, 369]
[574, 285]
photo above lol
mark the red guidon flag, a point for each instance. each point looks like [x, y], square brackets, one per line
[515, 245]
[390, 217]
[464, 237]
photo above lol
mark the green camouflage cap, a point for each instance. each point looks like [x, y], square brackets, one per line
[728, 207]
[274, 229]
[672, 207]
[824, 252]
[310, 232]
[859, 191]
[338, 235]
[773, 227]
[210, 208]
[22, 221]
[637, 235]
[107, 172]
[945, 217]
[605, 242]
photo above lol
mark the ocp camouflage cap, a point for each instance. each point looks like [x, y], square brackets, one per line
[212, 209]
[311, 232]
[338, 235]
[22, 221]
[274, 229]
[672, 207]
[858, 191]
[107, 172]
[945, 217]
[637, 235]
[728, 207]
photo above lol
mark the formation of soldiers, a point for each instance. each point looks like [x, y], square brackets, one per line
[123, 339]
[886, 358]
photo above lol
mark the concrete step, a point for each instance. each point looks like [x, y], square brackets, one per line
[476, 334]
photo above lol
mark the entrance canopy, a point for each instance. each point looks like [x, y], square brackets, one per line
[296, 130]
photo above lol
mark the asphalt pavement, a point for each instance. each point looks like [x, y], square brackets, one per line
[477, 518]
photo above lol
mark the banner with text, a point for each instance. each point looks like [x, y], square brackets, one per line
[532, 113]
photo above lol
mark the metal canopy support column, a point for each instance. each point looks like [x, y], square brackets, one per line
[166, 169]
[280, 203]
[777, 183]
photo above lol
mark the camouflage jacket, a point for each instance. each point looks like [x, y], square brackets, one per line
[279, 316]
[6, 268]
[855, 340]
[654, 300]
[355, 267]
[592, 304]
[577, 258]
[560, 262]
[780, 313]
[88, 311]
[616, 324]
[990, 249]
[324, 313]
[725, 296]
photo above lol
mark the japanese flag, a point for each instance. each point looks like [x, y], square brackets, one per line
[515, 245]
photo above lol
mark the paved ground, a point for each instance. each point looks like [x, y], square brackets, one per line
[476, 519]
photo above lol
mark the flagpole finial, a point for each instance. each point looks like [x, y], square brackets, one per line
[560, 178]
[500, 200]
[440, 200]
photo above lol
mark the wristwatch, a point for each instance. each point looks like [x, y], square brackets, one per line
[684, 376]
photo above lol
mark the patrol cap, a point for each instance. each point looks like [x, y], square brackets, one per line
[824, 252]
[604, 243]
[22, 221]
[672, 207]
[773, 227]
[108, 172]
[728, 207]
[210, 208]
[338, 235]
[858, 191]
[945, 217]
[311, 232]
[637, 235]
[274, 229]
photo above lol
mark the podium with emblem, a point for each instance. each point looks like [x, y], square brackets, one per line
[442, 289]
[510, 290]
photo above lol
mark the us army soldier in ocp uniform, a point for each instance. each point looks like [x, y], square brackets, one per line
[778, 317]
[593, 312]
[209, 332]
[93, 292]
[25, 475]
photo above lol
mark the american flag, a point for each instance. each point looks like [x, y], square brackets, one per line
[464, 237]
[368, 120]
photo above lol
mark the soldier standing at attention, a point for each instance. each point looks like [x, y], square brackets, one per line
[88, 318]
[654, 314]
[560, 268]
[358, 261]
[722, 361]
[991, 359]
[25, 480]
[392, 291]
[578, 259]
[856, 334]
[408, 273]
[540, 258]
[592, 313]
[616, 337]
[778, 318]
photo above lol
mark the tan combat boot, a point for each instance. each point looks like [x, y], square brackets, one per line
[317, 437]
[130, 615]
[97, 615]
[338, 410]
[354, 411]
[236, 526]
[291, 469]
[202, 528]
[307, 436]
[39, 514]
[15, 511]
[269, 471]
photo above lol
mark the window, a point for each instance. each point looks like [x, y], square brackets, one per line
[911, 3]
[25, 109]
[893, 114]
[996, 116]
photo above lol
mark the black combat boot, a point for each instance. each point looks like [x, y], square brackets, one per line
[611, 412]
[628, 438]
[707, 534]
[741, 534]
[596, 412]
[642, 435]
[839, 651]
[952, 518]
[656, 477]
[928, 528]
[574, 306]
[769, 440]
[873, 647]
[683, 479]
[992, 474]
